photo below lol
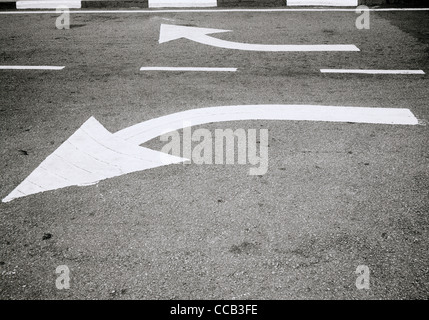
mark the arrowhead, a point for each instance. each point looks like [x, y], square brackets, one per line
[90, 155]
[171, 32]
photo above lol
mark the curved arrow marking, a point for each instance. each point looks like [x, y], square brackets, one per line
[145, 131]
[170, 32]
[93, 154]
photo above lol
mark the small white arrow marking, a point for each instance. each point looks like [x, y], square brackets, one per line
[93, 154]
[170, 32]
[48, 4]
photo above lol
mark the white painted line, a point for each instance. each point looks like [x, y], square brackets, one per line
[30, 68]
[213, 11]
[368, 71]
[181, 3]
[169, 32]
[188, 69]
[93, 154]
[338, 3]
[48, 4]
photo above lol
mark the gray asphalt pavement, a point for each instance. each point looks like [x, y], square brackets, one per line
[336, 195]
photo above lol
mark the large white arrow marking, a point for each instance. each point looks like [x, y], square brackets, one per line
[170, 32]
[93, 154]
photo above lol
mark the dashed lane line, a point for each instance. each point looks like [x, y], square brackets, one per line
[372, 71]
[188, 69]
[31, 68]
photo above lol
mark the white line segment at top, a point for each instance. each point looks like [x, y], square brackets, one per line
[48, 4]
[30, 68]
[339, 3]
[372, 71]
[181, 3]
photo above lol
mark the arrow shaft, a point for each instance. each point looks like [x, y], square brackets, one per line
[215, 42]
[151, 129]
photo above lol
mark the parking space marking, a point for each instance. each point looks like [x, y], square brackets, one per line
[31, 68]
[188, 69]
[372, 71]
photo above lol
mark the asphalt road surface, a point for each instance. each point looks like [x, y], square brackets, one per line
[335, 196]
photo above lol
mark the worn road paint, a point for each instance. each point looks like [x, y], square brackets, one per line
[169, 32]
[93, 154]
